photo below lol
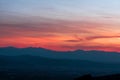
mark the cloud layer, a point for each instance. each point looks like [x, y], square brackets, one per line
[60, 25]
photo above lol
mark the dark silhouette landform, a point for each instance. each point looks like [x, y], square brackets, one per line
[43, 64]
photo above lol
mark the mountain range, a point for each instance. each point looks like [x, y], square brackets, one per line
[96, 56]
[69, 64]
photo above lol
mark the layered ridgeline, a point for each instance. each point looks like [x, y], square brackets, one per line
[53, 63]
[96, 56]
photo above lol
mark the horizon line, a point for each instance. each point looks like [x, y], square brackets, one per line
[58, 50]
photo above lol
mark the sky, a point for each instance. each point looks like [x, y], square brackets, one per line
[61, 25]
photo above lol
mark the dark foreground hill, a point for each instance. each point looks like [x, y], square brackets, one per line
[19, 75]
[108, 77]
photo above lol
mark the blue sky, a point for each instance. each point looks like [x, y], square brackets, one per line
[61, 8]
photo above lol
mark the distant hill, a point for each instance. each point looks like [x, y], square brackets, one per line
[96, 56]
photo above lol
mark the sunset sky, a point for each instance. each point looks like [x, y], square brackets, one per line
[61, 24]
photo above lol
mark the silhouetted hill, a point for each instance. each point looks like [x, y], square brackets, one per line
[108, 77]
[59, 65]
[96, 56]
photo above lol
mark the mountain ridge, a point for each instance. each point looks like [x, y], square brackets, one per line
[99, 56]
